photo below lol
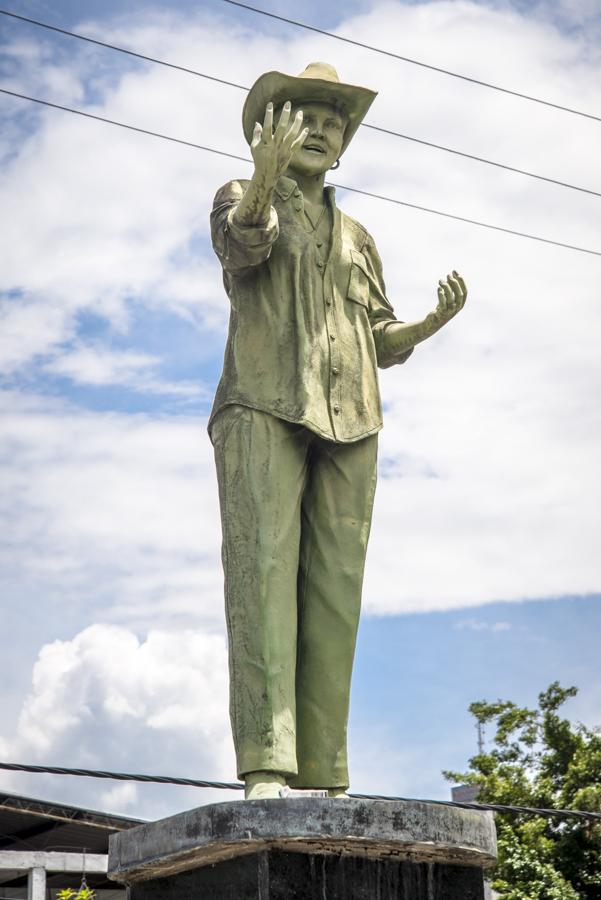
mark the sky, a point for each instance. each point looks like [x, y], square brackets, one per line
[483, 577]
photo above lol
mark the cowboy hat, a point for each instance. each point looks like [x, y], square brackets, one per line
[319, 83]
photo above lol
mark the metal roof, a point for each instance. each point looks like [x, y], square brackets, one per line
[30, 824]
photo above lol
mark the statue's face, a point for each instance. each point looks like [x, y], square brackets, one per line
[321, 148]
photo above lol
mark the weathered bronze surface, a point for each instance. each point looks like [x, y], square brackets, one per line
[294, 427]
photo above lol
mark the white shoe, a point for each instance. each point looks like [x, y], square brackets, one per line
[337, 793]
[263, 785]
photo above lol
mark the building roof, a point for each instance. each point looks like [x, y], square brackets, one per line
[30, 824]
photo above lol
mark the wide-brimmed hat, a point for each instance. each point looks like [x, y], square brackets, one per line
[318, 83]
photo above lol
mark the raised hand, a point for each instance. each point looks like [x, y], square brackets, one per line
[272, 150]
[452, 295]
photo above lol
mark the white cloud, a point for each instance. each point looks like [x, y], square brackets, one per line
[491, 436]
[99, 366]
[108, 699]
[116, 514]
[479, 625]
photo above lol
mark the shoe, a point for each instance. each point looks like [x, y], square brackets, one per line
[338, 793]
[263, 785]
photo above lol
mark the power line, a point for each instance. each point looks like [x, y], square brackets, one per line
[245, 88]
[446, 215]
[481, 159]
[242, 87]
[237, 786]
[89, 40]
[157, 134]
[436, 212]
[415, 62]
[123, 776]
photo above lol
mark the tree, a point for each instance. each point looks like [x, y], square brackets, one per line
[541, 760]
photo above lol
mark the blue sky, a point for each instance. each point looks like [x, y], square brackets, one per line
[483, 575]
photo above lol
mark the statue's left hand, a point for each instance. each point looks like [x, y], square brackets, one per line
[452, 295]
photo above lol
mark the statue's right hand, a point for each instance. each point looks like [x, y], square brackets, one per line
[272, 150]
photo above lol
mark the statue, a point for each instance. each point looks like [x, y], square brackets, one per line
[294, 428]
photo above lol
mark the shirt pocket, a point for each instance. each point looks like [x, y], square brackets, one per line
[358, 286]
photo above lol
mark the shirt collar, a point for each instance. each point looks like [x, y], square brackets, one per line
[286, 186]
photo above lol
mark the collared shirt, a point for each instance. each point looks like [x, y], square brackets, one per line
[308, 328]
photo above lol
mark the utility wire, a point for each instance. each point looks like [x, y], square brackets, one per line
[237, 786]
[123, 776]
[481, 159]
[157, 134]
[415, 62]
[89, 40]
[242, 87]
[446, 215]
[436, 212]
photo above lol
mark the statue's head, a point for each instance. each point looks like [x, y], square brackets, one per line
[321, 148]
[332, 111]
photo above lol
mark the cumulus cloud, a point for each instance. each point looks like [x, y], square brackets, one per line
[99, 366]
[107, 698]
[489, 457]
[491, 433]
[114, 513]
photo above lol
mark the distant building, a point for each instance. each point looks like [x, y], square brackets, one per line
[468, 793]
[465, 793]
[47, 846]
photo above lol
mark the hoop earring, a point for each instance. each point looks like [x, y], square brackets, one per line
[335, 166]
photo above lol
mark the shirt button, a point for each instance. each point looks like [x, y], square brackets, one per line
[328, 301]
[320, 243]
[336, 409]
[298, 206]
[332, 337]
[335, 370]
[297, 193]
[319, 264]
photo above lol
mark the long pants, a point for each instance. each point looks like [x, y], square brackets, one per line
[296, 513]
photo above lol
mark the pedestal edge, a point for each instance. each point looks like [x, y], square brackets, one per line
[409, 830]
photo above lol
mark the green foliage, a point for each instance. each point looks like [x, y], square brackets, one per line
[539, 759]
[84, 893]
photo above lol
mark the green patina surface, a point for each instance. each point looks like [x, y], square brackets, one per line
[294, 427]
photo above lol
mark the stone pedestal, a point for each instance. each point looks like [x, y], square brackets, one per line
[308, 849]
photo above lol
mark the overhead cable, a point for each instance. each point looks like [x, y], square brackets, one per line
[242, 87]
[481, 159]
[237, 786]
[89, 40]
[157, 134]
[342, 187]
[415, 62]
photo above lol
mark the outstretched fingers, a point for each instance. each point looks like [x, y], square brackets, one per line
[459, 287]
[295, 128]
[256, 139]
[452, 294]
[268, 123]
[299, 140]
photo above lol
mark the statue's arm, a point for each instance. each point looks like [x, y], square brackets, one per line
[395, 340]
[244, 223]
[399, 337]
[239, 247]
[271, 149]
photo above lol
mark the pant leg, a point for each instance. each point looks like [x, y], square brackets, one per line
[336, 519]
[261, 469]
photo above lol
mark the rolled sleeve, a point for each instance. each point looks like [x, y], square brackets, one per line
[387, 355]
[381, 312]
[239, 246]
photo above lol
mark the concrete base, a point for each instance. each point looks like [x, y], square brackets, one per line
[306, 849]
[276, 875]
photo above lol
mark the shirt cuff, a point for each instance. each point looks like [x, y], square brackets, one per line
[387, 355]
[253, 235]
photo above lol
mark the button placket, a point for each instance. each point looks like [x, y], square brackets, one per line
[334, 380]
